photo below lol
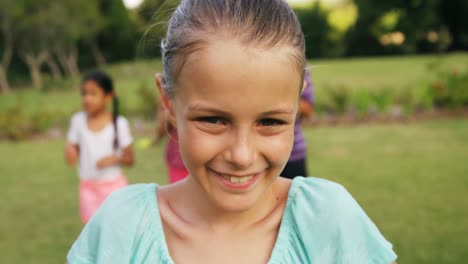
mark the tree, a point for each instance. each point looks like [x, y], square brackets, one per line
[51, 30]
[151, 20]
[73, 21]
[415, 19]
[33, 38]
[10, 12]
[453, 14]
[316, 30]
[118, 33]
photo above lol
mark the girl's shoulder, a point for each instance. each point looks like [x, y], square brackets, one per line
[135, 197]
[317, 199]
[122, 121]
[309, 190]
[325, 219]
[125, 219]
[79, 117]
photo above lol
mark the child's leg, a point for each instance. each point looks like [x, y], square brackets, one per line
[177, 174]
[294, 168]
[88, 200]
[93, 194]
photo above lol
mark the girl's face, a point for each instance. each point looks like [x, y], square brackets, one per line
[234, 110]
[94, 98]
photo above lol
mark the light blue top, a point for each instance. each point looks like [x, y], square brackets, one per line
[322, 223]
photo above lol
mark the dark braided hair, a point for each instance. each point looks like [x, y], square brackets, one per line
[104, 81]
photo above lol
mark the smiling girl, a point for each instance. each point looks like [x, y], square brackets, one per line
[233, 76]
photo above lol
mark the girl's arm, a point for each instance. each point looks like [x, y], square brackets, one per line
[125, 159]
[305, 109]
[71, 154]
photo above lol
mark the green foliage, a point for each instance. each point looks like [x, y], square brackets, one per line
[16, 124]
[453, 15]
[382, 98]
[423, 97]
[152, 20]
[339, 97]
[119, 33]
[317, 32]
[363, 100]
[450, 89]
[148, 102]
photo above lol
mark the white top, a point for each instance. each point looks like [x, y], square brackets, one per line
[97, 145]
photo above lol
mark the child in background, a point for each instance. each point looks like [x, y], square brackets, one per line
[100, 142]
[233, 73]
[174, 164]
[296, 165]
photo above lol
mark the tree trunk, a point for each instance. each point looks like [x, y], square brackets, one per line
[54, 68]
[34, 64]
[4, 85]
[97, 54]
[35, 72]
[68, 60]
[72, 61]
[73, 65]
[6, 56]
[63, 62]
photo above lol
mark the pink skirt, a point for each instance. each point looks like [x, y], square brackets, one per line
[94, 192]
[176, 174]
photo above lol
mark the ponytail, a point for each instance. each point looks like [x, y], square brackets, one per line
[115, 115]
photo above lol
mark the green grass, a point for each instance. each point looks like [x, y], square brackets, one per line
[392, 71]
[397, 72]
[412, 180]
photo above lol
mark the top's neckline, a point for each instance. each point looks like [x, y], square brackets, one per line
[282, 233]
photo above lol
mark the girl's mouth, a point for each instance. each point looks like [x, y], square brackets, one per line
[237, 182]
[234, 179]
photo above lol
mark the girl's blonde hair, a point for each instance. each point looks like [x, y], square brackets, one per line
[260, 23]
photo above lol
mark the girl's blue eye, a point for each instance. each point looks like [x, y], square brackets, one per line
[271, 122]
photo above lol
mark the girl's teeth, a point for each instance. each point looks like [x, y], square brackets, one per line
[238, 179]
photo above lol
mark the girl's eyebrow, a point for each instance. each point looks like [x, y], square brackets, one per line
[279, 111]
[201, 108]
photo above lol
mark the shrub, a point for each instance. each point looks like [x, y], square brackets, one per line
[339, 98]
[362, 101]
[148, 105]
[423, 97]
[382, 99]
[450, 89]
[14, 124]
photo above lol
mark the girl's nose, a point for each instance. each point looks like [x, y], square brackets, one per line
[242, 151]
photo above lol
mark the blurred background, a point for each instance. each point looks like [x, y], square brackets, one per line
[390, 116]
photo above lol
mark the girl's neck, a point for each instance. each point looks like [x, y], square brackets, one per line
[99, 121]
[202, 212]
[100, 115]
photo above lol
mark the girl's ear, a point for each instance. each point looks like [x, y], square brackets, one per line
[165, 100]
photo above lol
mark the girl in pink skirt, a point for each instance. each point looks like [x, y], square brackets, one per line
[101, 141]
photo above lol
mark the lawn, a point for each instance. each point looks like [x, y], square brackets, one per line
[412, 179]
